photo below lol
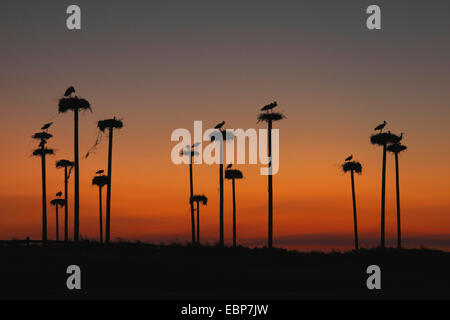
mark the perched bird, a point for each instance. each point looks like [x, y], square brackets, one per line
[269, 107]
[229, 166]
[59, 194]
[381, 126]
[349, 158]
[195, 145]
[42, 144]
[69, 91]
[220, 125]
[100, 172]
[46, 126]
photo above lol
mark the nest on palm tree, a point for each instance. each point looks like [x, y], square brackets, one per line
[227, 135]
[352, 166]
[43, 152]
[42, 136]
[100, 181]
[110, 123]
[72, 104]
[64, 164]
[384, 138]
[396, 148]
[200, 198]
[233, 174]
[189, 153]
[58, 202]
[270, 116]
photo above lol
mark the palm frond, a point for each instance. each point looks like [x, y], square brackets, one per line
[200, 198]
[110, 123]
[43, 152]
[72, 104]
[270, 116]
[58, 202]
[100, 181]
[227, 135]
[384, 138]
[64, 164]
[396, 148]
[42, 136]
[233, 174]
[352, 166]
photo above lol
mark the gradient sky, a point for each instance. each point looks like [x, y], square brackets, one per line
[161, 65]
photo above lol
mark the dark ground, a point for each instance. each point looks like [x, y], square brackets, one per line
[139, 271]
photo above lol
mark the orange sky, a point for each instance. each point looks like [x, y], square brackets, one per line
[334, 86]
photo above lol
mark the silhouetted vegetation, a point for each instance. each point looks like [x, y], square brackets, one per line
[110, 125]
[383, 139]
[269, 117]
[353, 167]
[131, 271]
[75, 104]
[396, 149]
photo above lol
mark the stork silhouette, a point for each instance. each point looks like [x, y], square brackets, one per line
[349, 158]
[220, 125]
[46, 126]
[381, 126]
[69, 91]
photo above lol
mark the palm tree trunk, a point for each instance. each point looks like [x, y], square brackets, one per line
[108, 192]
[57, 224]
[66, 208]
[355, 218]
[270, 189]
[191, 178]
[198, 222]
[76, 234]
[234, 213]
[222, 238]
[100, 213]
[399, 229]
[44, 200]
[383, 198]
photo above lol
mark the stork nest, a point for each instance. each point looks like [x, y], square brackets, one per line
[270, 116]
[64, 164]
[227, 135]
[352, 166]
[100, 181]
[58, 202]
[110, 123]
[384, 138]
[396, 148]
[42, 136]
[43, 152]
[200, 198]
[189, 153]
[233, 174]
[72, 104]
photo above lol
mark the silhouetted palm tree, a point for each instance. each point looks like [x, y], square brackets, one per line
[353, 167]
[226, 136]
[268, 116]
[203, 199]
[100, 182]
[42, 152]
[75, 104]
[233, 174]
[396, 149]
[103, 125]
[57, 203]
[383, 139]
[67, 165]
[190, 151]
